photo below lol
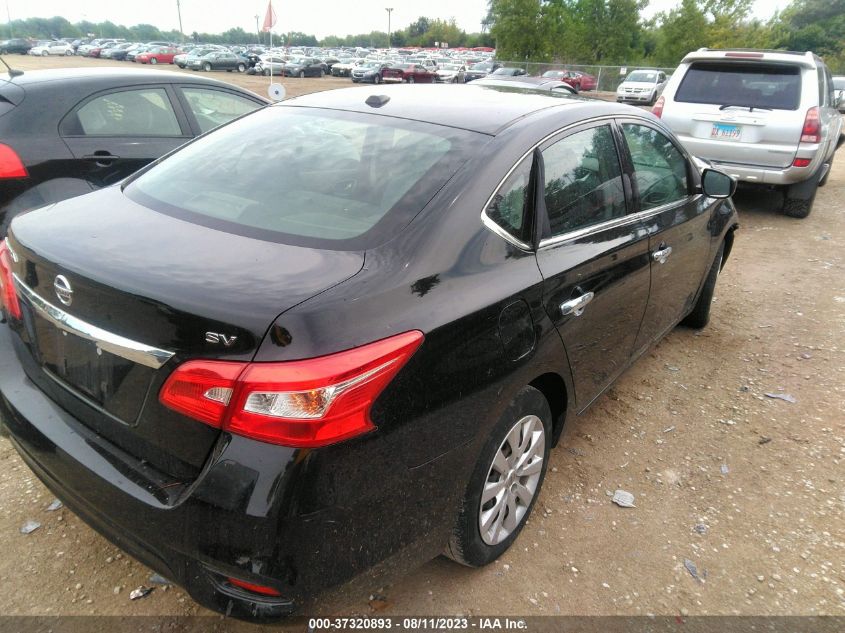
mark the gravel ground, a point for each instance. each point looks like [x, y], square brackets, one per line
[739, 496]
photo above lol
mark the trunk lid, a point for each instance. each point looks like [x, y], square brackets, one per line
[140, 278]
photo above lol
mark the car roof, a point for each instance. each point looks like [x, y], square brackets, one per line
[94, 78]
[485, 109]
[750, 55]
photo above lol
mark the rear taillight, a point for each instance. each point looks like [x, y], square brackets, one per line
[302, 403]
[11, 165]
[812, 127]
[657, 108]
[8, 296]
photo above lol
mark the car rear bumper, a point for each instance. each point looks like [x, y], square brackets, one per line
[306, 523]
[758, 174]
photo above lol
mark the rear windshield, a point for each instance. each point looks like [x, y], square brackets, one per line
[746, 85]
[306, 176]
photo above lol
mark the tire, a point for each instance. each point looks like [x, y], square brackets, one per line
[241, 68]
[68, 53]
[377, 79]
[322, 73]
[207, 67]
[45, 54]
[798, 199]
[700, 315]
[266, 72]
[302, 74]
[528, 411]
[153, 61]
[411, 80]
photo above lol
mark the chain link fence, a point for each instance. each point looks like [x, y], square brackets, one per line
[607, 78]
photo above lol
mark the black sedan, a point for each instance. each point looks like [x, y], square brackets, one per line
[218, 60]
[267, 382]
[17, 45]
[67, 132]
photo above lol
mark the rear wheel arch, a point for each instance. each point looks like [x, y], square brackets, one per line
[553, 388]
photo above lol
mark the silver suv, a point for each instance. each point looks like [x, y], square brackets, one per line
[764, 117]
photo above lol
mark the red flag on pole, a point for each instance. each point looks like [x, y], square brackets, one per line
[269, 18]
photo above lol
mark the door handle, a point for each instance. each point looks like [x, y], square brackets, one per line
[576, 306]
[661, 255]
[101, 157]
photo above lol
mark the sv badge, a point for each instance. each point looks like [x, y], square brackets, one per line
[216, 337]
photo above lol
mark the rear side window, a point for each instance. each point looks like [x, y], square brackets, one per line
[508, 207]
[146, 112]
[776, 87]
[308, 176]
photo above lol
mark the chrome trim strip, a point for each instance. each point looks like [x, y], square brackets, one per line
[498, 230]
[616, 222]
[113, 343]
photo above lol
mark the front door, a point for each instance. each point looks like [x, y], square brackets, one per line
[593, 256]
[678, 223]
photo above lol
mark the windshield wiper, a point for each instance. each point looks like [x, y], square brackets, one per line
[750, 108]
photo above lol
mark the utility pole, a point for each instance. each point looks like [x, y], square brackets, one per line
[257, 30]
[179, 11]
[9, 18]
[389, 11]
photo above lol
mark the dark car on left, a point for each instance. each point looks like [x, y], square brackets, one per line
[67, 132]
[18, 45]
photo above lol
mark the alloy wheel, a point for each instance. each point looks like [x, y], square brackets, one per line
[512, 480]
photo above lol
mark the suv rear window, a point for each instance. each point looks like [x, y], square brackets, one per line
[307, 176]
[776, 87]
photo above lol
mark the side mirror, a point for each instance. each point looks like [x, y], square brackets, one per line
[716, 184]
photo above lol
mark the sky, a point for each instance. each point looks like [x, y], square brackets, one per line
[328, 17]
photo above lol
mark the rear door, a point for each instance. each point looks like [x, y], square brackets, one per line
[593, 255]
[113, 134]
[739, 112]
[678, 224]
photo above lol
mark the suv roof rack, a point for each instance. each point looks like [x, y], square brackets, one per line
[704, 49]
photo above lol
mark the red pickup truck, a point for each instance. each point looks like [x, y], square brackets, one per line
[411, 73]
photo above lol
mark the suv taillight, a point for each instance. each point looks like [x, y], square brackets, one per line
[8, 296]
[812, 131]
[301, 403]
[657, 108]
[11, 165]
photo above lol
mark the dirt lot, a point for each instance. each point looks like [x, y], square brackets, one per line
[747, 488]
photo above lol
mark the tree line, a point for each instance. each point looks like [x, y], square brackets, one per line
[422, 32]
[610, 32]
[613, 32]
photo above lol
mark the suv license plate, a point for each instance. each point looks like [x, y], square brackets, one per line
[722, 131]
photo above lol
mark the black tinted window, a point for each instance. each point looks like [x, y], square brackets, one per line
[509, 206]
[308, 176]
[583, 181]
[746, 85]
[660, 170]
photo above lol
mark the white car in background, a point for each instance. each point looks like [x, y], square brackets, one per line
[641, 86]
[56, 47]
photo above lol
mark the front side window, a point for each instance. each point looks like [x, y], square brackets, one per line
[215, 107]
[583, 181]
[146, 112]
[660, 170]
